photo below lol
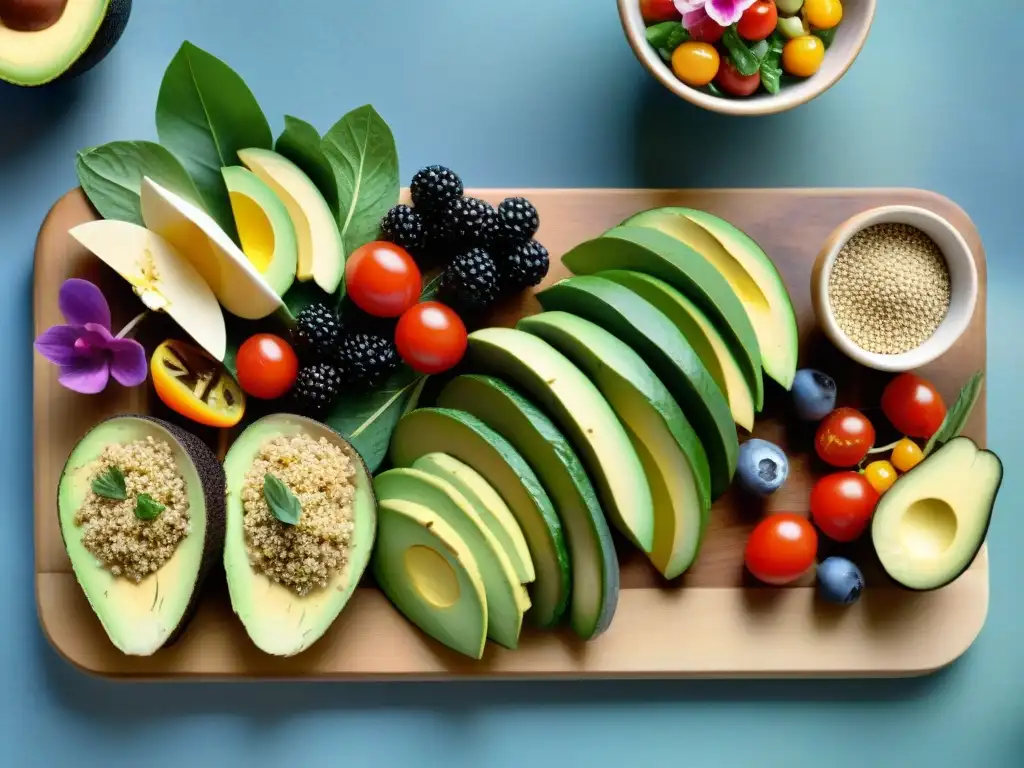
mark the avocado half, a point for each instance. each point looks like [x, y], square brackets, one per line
[141, 618]
[277, 620]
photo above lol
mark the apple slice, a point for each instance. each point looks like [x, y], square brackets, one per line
[236, 283]
[162, 278]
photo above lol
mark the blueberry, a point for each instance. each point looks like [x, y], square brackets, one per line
[814, 394]
[839, 581]
[762, 467]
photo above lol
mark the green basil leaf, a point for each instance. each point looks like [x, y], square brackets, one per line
[282, 502]
[431, 288]
[827, 36]
[760, 49]
[771, 64]
[110, 485]
[957, 416]
[300, 143]
[205, 113]
[361, 150]
[744, 59]
[111, 177]
[714, 90]
[666, 37]
[147, 508]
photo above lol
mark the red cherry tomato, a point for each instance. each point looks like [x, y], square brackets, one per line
[781, 548]
[382, 279]
[758, 21]
[913, 406]
[844, 437]
[732, 82]
[654, 11]
[707, 31]
[267, 366]
[430, 337]
[842, 504]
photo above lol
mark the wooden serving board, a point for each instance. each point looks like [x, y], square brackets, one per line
[712, 622]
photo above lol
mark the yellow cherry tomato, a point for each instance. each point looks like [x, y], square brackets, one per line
[823, 14]
[881, 475]
[906, 455]
[696, 64]
[802, 56]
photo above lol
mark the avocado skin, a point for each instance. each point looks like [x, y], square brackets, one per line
[211, 475]
[109, 33]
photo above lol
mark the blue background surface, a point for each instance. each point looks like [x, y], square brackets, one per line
[537, 93]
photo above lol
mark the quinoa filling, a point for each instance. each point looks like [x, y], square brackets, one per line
[304, 556]
[127, 545]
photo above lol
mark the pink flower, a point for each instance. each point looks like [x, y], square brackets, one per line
[722, 12]
[84, 349]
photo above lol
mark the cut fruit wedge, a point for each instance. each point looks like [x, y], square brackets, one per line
[193, 384]
[161, 277]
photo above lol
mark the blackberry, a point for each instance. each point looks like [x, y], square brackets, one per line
[316, 331]
[470, 281]
[470, 222]
[404, 227]
[523, 266]
[518, 220]
[365, 360]
[316, 387]
[434, 187]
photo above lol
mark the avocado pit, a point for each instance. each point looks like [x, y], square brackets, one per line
[31, 15]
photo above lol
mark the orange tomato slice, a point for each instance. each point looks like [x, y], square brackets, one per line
[196, 385]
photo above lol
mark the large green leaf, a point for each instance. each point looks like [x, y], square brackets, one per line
[111, 177]
[300, 143]
[205, 113]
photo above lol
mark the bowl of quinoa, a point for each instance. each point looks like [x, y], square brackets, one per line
[895, 287]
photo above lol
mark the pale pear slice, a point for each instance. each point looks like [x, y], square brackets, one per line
[162, 278]
[236, 283]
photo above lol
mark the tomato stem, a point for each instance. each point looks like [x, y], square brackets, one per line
[131, 324]
[884, 448]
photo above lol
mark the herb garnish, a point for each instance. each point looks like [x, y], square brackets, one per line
[957, 416]
[282, 502]
[147, 508]
[110, 485]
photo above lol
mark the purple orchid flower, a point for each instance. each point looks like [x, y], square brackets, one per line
[84, 349]
[722, 12]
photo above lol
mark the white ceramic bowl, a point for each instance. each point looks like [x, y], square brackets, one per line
[858, 16]
[963, 274]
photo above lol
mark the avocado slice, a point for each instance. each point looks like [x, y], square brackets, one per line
[750, 272]
[705, 339]
[653, 336]
[140, 618]
[673, 458]
[429, 575]
[576, 405]
[444, 430]
[662, 256]
[488, 505]
[264, 227]
[928, 528]
[277, 619]
[595, 566]
[507, 600]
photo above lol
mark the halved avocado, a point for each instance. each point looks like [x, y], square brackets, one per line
[278, 620]
[659, 255]
[488, 505]
[429, 575]
[443, 430]
[595, 567]
[576, 405]
[140, 618]
[653, 336]
[750, 272]
[705, 339]
[507, 600]
[673, 458]
[928, 527]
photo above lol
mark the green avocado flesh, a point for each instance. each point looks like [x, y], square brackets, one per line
[705, 339]
[140, 618]
[278, 620]
[581, 413]
[506, 598]
[487, 504]
[659, 343]
[455, 433]
[429, 575]
[654, 253]
[264, 227]
[595, 567]
[673, 458]
[752, 275]
[928, 527]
